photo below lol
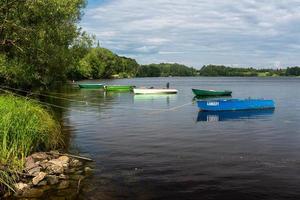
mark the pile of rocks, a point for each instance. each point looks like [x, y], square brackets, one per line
[48, 170]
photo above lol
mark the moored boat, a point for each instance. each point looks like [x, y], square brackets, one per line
[235, 104]
[206, 93]
[119, 88]
[154, 91]
[91, 85]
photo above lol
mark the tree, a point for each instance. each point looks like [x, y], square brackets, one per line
[39, 33]
[293, 71]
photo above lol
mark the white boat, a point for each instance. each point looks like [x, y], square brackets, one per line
[155, 91]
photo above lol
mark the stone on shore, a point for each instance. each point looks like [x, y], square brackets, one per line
[30, 163]
[40, 156]
[20, 187]
[75, 163]
[88, 170]
[52, 180]
[38, 178]
[44, 171]
[55, 169]
[64, 159]
[34, 171]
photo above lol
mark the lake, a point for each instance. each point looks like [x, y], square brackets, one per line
[160, 147]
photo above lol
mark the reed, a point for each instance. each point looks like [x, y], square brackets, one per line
[25, 127]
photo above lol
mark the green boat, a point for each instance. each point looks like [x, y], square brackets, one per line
[206, 93]
[91, 85]
[118, 88]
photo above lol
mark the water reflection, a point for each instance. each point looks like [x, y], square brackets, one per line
[155, 98]
[233, 115]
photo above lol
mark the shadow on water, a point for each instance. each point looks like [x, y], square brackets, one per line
[214, 116]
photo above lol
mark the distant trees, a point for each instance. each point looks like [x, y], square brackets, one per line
[165, 69]
[221, 70]
[293, 71]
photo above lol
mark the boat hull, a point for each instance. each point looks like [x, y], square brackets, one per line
[235, 104]
[155, 91]
[119, 88]
[207, 93]
[90, 86]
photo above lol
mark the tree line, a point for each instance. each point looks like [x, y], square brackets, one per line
[221, 70]
[165, 69]
[41, 45]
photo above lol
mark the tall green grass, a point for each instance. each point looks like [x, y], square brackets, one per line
[25, 127]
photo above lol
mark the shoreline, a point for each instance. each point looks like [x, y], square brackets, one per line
[52, 172]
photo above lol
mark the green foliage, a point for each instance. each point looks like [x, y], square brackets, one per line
[149, 71]
[79, 49]
[293, 71]
[15, 73]
[37, 35]
[221, 70]
[165, 69]
[102, 63]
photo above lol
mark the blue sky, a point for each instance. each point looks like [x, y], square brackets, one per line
[258, 33]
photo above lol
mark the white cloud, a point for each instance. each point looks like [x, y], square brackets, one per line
[197, 32]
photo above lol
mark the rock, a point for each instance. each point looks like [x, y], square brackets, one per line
[55, 169]
[63, 185]
[42, 183]
[57, 166]
[52, 180]
[56, 162]
[55, 153]
[75, 163]
[88, 170]
[20, 187]
[38, 178]
[40, 156]
[34, 171]
[64, 159]
[29, 164]
[44, 164]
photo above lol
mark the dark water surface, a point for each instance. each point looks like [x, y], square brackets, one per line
[159, 147]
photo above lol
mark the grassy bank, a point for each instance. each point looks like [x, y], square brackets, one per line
[25, 127]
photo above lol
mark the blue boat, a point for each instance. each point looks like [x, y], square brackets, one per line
[235, 104]
[213, 116]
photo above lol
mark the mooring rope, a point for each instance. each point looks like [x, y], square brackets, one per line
[83, 102]
[150, 111]
[171, 109]
[47, 104]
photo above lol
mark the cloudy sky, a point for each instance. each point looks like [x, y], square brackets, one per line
[259, 33]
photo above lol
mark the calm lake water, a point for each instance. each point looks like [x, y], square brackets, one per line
[160, 147]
